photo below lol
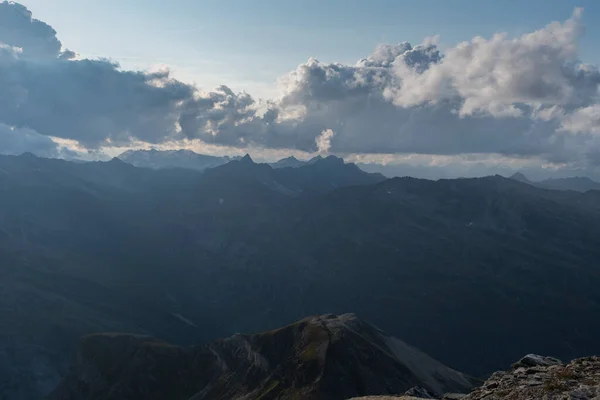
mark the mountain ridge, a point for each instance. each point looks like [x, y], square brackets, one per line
[321, 357]
[156, 159]
[576, 183]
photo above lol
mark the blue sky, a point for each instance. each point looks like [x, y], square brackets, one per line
[249, 44]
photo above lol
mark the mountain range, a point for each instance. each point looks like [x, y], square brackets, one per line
[474, 272]
[159, 159]
[165, 159]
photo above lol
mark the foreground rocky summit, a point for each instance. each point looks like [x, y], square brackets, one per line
[535, 377]
[327, 357]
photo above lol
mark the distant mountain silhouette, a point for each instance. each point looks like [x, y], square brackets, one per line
[288, 162]
[521, 178]
[156, 159]
[329, 357]
[578, 184]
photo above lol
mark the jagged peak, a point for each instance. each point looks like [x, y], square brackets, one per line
[247, 159]
[117, 160]
[330, 160]
[315, 159]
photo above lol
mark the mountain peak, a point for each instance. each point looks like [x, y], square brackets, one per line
[315, 159]
[334, 159]
[520, 177]
[116, 161]
[329, 160]
[247, 159]
[29, 155]
[290, 161]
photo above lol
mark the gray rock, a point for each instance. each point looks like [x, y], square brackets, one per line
[533, 360]
[537, 377]
[420, 393]
[454, 396]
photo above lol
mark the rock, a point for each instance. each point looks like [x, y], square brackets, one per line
[537, 377]
[454, 396]
[532, 360]
[385, 398]
[420, 393]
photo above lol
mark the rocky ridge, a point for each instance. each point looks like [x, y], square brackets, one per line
[536, 377]
[532, 377]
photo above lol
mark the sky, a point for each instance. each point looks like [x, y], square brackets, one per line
[206, 41]
[305, 77]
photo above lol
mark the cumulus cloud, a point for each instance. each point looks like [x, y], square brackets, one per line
[91, 101]
[323, 141]
[522, 97]
[500, 76]
[19, 29]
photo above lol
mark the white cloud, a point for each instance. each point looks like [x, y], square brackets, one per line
[500, 76]
[584, 120]
[9, 53]
[323, 141]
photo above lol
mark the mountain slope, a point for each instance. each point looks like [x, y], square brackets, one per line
[107, 246]
[475, 271]
[328, 357]
[489, 254]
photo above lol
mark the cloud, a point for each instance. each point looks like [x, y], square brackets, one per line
[503, 96]
[323, 141]
[91, 101]
[18, 141]
[8, 54]
[19, 29]
[502, 77]
[527, 97]
[584, 120]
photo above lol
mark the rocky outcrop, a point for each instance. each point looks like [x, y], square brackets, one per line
[419, 393]
[326, 357]
[537, 377]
